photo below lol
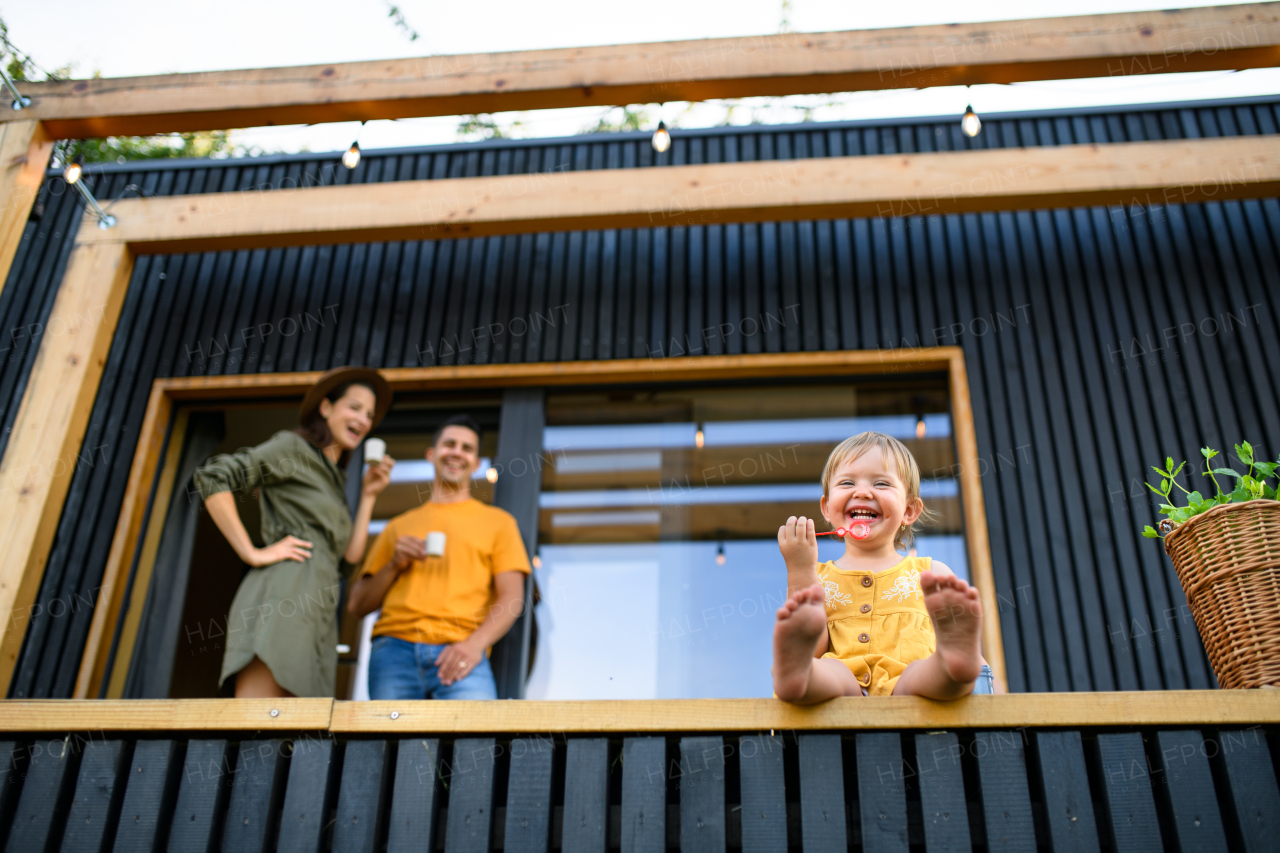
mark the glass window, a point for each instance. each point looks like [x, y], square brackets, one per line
[658, 562]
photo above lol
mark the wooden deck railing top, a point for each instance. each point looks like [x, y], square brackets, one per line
[1148, 708]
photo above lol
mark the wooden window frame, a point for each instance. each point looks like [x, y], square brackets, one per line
[155, 458]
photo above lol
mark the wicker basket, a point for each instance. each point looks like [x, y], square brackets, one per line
[1228, 561]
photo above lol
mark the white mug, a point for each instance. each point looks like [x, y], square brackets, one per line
[374, 450]
[435, 544]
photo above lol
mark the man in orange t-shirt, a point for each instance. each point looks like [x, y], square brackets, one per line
[449, 577]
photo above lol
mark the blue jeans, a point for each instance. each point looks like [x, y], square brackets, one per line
[986, 683]
[399, 669]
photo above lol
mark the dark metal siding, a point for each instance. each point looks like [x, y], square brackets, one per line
[1058, 313]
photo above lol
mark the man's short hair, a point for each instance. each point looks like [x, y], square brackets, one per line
[458, 420]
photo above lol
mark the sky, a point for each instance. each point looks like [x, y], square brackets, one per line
[129, 37]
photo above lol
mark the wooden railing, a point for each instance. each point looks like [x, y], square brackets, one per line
[1123, 772]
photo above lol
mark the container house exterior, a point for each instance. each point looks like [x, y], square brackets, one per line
[1095, 342]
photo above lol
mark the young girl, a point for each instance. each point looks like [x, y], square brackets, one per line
[873, 623]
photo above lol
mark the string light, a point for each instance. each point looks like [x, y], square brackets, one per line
[661, 138]
[351, 158]
[537, 561]
[970, 124]
[720, 558]
[491, 475]
[72, 175]
[920, 427]
[698, 438]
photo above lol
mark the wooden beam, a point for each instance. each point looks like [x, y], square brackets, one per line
[975, 516]
[614, 371]
[1021, 710]
[1123, 44]
[822, 188]
[45, 447]
[25, 149]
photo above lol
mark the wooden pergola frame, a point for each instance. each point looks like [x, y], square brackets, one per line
[49, 430]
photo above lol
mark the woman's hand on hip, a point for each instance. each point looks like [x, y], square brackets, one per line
[457, 661]
[377, 477]
[288, 548]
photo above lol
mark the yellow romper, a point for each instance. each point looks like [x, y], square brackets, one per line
[877, 622]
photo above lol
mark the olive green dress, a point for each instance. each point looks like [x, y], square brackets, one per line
[286, 613]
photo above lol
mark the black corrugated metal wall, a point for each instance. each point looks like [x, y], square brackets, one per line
[1097, 342]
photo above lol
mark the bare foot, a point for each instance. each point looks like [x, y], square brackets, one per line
[956, 612]
[801, 621]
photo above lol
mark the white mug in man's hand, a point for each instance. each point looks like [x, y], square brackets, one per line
[435, 544]
[374, 450]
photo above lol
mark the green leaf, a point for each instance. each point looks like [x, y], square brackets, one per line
[1240, 494]
[1181, 465]
[1168, 463]
[1229, 472]
[1268, 492]
[1154, 489]
[1194, 498]
[1245, 451]
[1266, 469]
[1208, 452]
[1150, 532]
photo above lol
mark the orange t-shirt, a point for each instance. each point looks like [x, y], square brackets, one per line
[444, 599]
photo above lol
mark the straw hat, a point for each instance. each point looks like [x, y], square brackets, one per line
[340, 376]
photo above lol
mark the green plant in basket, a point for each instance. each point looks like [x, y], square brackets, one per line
[1249, 486]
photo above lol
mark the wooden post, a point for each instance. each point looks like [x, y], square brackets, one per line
[45, 447]
[25, 148]
[975, 518]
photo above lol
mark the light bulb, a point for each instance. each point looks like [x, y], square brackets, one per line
[720, 558]
[72, 173]
[920, 427]
[661, 138]
[970, 124]
[351, 159]
[491, 475]
[537, 561]
[699, 439]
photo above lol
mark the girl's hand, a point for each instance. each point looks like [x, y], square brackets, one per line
[377, 477]
[288, 548]
[798, 543]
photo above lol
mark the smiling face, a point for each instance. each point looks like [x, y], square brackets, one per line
[867, 490]
[456, 455]
[350, 417]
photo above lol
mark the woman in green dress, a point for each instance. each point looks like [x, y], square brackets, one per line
[282, 632]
